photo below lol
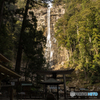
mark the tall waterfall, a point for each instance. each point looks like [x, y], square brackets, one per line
[49, 51]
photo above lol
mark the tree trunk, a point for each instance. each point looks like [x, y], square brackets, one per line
[1, 11]
[19, 53]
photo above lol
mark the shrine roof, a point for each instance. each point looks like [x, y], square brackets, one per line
[3, 58]
[9, 72]
[47, 72]
[51, 81]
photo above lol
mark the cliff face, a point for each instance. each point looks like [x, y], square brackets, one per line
[59, 56]
[40, 14]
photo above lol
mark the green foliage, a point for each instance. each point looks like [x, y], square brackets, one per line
[33, 40]
[21, 3]
[79, 32]
[67, 82]
[56, 2]
[6, 40]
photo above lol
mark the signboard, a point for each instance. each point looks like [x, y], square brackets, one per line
[26, 84]
[83, 89]
[21, 93]
[13, 83]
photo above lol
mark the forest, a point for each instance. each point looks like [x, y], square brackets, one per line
[20, 41]
[79, 32]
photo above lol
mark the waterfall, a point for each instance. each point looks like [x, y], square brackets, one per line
[49, 51]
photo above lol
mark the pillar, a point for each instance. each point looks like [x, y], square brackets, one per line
[11, 93]
[54, 75]
[0, 84]
[45, 90]
[64, 78]
[57, 93]
[44, 86]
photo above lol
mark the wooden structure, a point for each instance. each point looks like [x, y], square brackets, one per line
[51, 81]
[54, 76]
[5, 72]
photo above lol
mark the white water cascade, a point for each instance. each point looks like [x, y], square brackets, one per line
[49, 51]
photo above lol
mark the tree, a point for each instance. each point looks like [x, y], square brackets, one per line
[78, 31]
[7, 27]
[11, 24]
[19, 53]
[1, 10]
[2, 5]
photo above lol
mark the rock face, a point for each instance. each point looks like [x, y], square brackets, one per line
[59, 56]
[40, 14]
